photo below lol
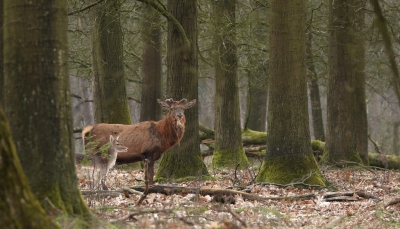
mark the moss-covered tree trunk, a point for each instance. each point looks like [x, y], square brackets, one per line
[151, 65]
[288, 155]
[313, 88]
[340, 132]
[38, 102]
[19, 208]
[109, 91]
[360, 116]
[228, 142]
[184, 159]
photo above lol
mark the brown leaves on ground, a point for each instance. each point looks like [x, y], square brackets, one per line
[197, 211]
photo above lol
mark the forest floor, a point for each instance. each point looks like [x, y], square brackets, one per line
[378, 207]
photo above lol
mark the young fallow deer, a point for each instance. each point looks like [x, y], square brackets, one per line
[100, 164]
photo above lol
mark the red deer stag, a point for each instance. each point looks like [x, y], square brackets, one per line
[145, 140]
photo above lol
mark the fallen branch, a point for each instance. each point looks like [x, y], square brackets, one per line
[348, 196]
[392, 202]
[101, 193]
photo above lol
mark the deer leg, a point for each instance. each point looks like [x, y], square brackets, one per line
[150, 166]
[146, 181]
[151, 171]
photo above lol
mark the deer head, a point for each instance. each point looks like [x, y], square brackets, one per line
[176, 108]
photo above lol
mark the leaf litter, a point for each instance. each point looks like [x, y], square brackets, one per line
[365, 198]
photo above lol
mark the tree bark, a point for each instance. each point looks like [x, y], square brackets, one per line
[19, 208]
[228, 145]
[1, 54]
[38, 100]
[341, 141]
[183, 160]
[288, 155]
[109, 91]
[151, 65]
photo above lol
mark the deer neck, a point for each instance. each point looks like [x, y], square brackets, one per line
[113, 156]
[174, 128]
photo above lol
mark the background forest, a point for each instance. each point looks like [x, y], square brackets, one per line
[252, 54]
[286, 94]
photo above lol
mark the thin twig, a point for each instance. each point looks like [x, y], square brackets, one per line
[85, 8]
[236, 216]
[81, 98]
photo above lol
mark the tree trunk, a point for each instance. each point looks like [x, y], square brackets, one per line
[19, 208]
[151, 65]
[340, 133]
[360, 116]
[38, 100]
[183, 160]
[313, 87]
[109, 91]
[289, 156]
[228, 142]
[1, 54]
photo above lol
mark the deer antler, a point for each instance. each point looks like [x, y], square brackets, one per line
[183, 100]
[169, 101]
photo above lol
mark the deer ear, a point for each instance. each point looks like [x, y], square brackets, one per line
[117, 138]
[163, 104]
[190, 104]
[111, 138]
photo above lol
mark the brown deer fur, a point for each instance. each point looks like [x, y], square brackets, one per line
[148, 139]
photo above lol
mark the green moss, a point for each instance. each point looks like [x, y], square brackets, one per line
[393, 161]
[317, 145]
[254, 136]
[197, 211]
[172, 167]
[290, 169]
[352, 157]
[225, 158]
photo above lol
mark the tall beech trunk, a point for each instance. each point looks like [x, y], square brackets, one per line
[183, 160]
[19, 208]
[109, 91]
[289, 155]
[151, 65]
[341, 141]
[38, 101]
[228, 142]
